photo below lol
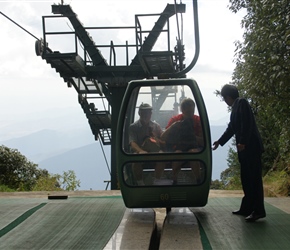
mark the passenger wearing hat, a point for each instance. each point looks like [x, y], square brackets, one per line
[145, 106]
[139, 132]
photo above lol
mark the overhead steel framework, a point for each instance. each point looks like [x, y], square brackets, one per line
[101, 83]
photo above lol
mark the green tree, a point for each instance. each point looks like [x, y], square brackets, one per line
[230, 177]
[262, 74]
[47, 183]
[56, 182]
[68, 180]
[216, 184]
[16, 172]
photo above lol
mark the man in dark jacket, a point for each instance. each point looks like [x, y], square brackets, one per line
[250, 148]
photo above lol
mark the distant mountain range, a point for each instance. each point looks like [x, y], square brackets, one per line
[76, 150]
[61, 140]
[59, 151]
[88, 162]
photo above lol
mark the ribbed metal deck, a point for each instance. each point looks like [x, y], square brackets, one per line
[99, 220]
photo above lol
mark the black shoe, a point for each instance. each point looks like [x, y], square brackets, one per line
[239, 212]
[254, 216]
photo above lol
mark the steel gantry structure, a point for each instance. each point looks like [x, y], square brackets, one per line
[101, 83]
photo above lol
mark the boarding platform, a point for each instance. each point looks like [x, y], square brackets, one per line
[99, 220]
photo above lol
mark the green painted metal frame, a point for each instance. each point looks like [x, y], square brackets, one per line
[135, 196]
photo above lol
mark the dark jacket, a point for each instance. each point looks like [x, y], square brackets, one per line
[243, 126]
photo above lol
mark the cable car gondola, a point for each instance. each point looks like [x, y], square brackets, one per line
[191, 188]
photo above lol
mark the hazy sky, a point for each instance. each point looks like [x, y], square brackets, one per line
[28, 84]
[31, 89]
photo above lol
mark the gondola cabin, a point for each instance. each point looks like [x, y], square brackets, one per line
[171, 165]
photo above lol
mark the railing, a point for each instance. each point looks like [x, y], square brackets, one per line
[112, 58]
[139, 32]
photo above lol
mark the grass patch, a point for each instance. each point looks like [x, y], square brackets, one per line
[4, 188]
[277, 183]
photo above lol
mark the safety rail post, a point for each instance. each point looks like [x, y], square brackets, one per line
[112, 51]
[44, 36]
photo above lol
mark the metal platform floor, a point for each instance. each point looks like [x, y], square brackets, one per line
[99, 220]
[73, 223]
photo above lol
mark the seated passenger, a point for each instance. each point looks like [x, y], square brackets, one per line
[144, 137]
[184, 134]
